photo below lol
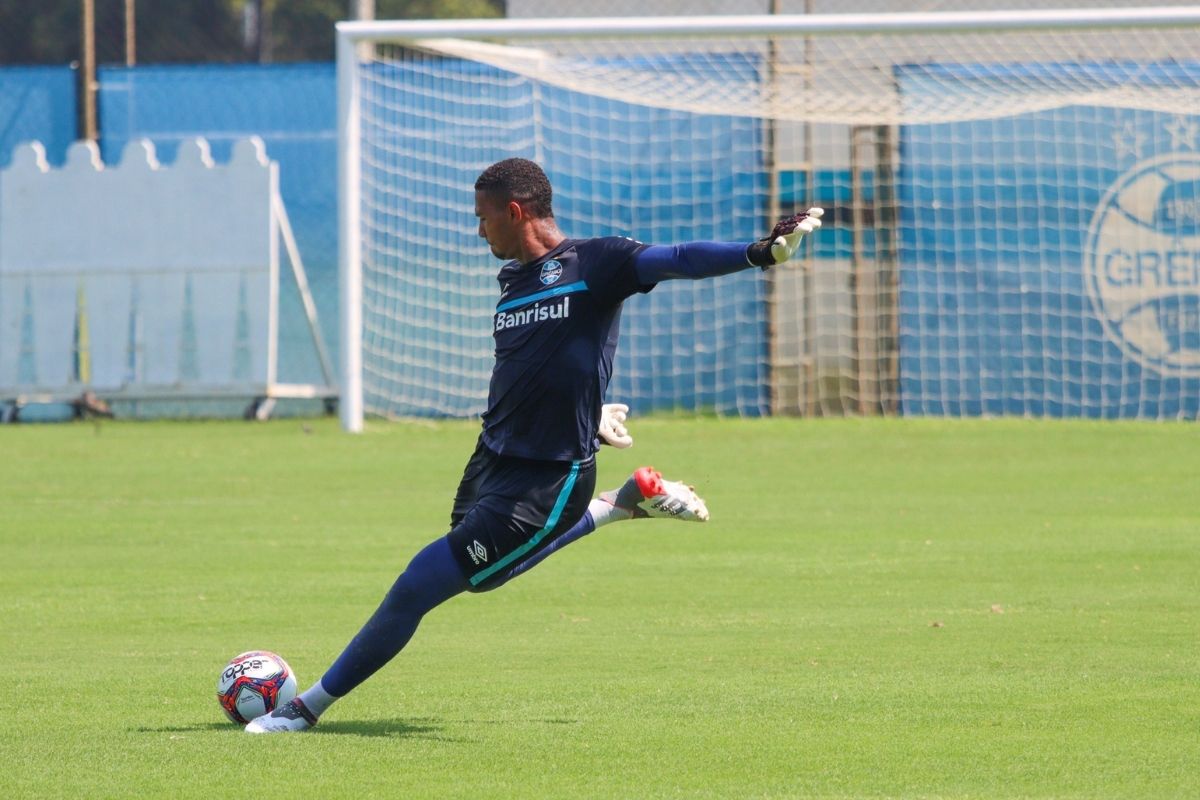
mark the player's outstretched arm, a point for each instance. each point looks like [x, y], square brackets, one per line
[696, 260]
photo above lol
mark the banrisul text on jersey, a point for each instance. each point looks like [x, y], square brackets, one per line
[536, 313]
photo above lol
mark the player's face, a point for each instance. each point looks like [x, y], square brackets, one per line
[497, 225]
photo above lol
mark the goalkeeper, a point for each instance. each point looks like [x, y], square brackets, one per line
[527, 489]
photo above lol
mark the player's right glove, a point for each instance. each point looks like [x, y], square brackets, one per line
[784, 240]
[612, 425]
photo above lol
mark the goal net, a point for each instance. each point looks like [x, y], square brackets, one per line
[1013, 198]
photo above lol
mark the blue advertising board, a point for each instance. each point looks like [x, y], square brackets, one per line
[1049, 259]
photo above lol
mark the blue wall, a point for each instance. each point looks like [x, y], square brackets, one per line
[37, 103]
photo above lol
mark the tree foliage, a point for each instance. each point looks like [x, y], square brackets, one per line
[48, 31]
[41, 33]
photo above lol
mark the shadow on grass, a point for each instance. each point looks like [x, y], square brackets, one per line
[418, 728]
[525, 722]
[199, 727]
[423, 728]
[387, 728]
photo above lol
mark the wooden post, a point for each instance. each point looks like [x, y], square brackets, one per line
[130, 33]
[811, 395]
[775, 402]
[88, 45]
[889, 271]
[864, 294]
[365, 10]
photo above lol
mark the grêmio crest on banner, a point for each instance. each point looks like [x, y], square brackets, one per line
[1142, 256]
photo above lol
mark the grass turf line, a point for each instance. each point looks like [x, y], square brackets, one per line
[880, 608]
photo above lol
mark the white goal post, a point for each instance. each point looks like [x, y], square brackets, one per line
[1014, 196]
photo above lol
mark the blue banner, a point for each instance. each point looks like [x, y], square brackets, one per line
[1049, 260]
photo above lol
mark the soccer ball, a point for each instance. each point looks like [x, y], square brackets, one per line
[253, 684]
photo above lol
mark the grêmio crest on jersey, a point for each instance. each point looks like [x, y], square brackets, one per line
[551, 271]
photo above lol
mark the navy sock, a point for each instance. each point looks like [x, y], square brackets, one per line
[431, 578]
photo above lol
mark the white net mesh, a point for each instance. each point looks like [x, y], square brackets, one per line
[1013, 218]
[852, 79]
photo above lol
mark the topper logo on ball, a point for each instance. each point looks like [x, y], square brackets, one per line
[1142, 263]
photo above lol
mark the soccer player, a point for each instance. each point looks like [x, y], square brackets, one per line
[527, 489]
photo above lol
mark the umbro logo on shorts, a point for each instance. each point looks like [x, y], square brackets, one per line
[477, 552]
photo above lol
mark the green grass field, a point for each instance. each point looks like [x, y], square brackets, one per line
[879, 608]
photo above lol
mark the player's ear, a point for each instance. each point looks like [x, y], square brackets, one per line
[515, 212]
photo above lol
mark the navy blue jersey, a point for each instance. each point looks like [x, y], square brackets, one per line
[556, 329]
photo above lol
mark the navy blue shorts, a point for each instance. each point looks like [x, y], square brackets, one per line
[507, 509]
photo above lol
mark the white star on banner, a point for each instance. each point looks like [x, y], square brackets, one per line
[1183, 132]
[1129, 141]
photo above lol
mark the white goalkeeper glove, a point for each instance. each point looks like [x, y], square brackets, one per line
[612, 425]
[784, 240]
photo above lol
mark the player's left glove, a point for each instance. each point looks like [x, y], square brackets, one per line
[612, 425]
[784, 240]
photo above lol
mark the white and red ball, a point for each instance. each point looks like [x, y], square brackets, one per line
[253, 684]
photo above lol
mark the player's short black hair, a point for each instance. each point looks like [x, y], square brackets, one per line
[522, 180]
